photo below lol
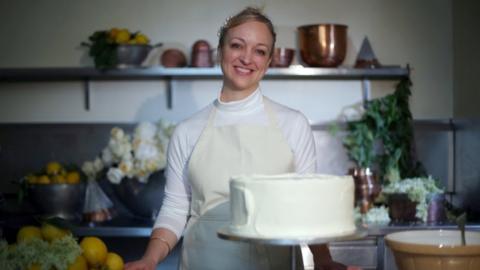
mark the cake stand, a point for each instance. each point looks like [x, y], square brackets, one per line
[227, 234]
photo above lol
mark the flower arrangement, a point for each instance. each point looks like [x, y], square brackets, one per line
[136, 156]
[418, 190]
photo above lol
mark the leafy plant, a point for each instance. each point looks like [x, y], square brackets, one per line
[388, 121]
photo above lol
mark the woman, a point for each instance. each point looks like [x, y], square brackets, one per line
[240, 132]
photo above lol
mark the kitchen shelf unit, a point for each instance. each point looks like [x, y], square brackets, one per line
[88, 74]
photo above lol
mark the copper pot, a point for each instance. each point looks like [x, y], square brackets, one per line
[323, 45]
[201, 54]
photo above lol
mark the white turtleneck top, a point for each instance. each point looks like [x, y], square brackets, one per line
[251, 110]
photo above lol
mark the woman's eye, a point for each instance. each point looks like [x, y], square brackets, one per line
[235, 46]
[261, 52]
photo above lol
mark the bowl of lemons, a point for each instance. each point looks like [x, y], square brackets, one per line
[56, 191]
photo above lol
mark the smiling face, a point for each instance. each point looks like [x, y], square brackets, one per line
[245, 57]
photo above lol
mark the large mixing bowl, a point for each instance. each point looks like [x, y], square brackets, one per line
[58, 200]
[435, 249]
[323, 45]
[142, 199]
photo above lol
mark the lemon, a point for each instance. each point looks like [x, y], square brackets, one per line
[73, 177]
[123, 36]
[59, 179]
[27, 233]
[114, 261]
[31, 179]
[79, 264]
[112, 34]
[141, 39]
[94, 250]
[53, 168]
[51, 232]
[43, 179]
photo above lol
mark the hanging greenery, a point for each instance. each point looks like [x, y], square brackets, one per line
[389, 122]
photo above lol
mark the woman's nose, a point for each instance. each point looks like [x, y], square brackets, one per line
[246, 57]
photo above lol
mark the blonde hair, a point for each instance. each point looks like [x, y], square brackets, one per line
[246, 15]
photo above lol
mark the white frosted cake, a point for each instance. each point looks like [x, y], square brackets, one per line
[292, 206]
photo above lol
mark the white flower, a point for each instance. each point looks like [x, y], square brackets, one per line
[145, 151]
[117, 133]
[98, 164]
[134, 157]
[107, 156]
[115, 175]
[145, 131]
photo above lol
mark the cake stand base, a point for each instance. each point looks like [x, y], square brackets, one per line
[227, 234]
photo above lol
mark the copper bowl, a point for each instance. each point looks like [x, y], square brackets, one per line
[282, 57]
[323, 45]
[435, 249]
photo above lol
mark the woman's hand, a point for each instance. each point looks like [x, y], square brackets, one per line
[142, 264]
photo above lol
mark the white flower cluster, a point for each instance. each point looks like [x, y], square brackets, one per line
[138, 156]
[377, 215]
[418, 190]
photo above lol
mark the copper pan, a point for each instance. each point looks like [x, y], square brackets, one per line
[323, 45]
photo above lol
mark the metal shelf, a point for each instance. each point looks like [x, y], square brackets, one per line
[88, 74]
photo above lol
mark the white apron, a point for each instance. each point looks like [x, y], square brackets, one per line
[220, 153]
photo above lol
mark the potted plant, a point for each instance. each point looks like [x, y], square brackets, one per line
[409, 198]
[382, 139]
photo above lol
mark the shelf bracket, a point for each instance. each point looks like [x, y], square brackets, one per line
[169, 92]
[366, 91]
[86, 93]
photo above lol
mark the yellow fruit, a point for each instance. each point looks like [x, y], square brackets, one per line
[53, 168]
[27, 233]
[112, 34]
[73, 177]
[58, 179]
[31, 179]
[94, 250]
[114, 261]
[79, 264]
[141, 39]
[51, 232]
[35, 266]
[43, 179]
[123, 36]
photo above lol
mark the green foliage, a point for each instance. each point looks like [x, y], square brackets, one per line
[102, 49]
[386, 120]
[55, 255]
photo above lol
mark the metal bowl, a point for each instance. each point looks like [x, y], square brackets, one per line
[282, 57]
[131, 55]
[323, 45]
[142, 199]
[58, 200]
[435, 249]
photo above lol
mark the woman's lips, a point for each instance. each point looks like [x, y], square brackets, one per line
[243, 70]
